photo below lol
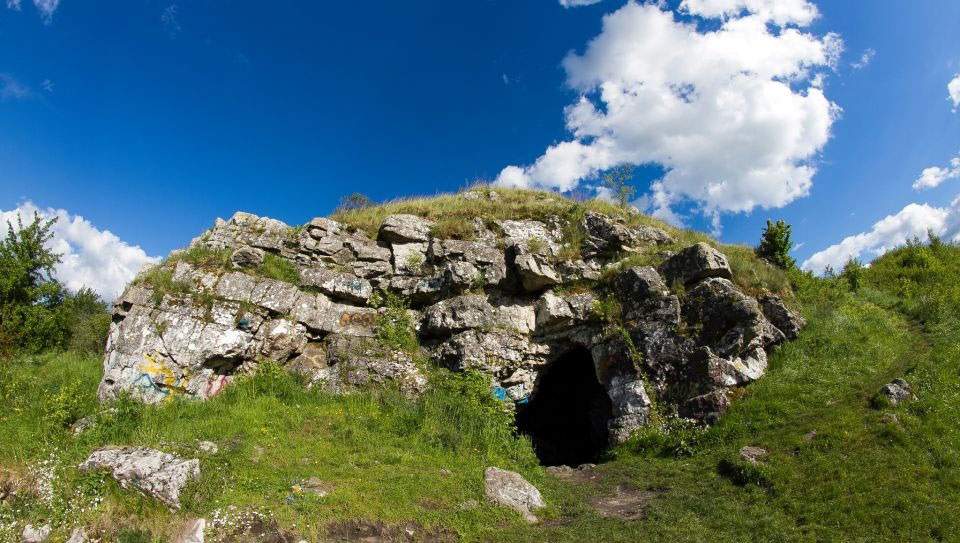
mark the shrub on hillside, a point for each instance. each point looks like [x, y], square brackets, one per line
[775, 244]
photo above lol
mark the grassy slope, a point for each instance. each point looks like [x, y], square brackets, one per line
[862, 477]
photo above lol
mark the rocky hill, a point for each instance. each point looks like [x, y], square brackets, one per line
[589, 320]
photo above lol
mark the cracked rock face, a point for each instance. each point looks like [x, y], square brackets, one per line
[505, 303]
[157, 474]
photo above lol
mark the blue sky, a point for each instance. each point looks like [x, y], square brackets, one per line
[151, 118]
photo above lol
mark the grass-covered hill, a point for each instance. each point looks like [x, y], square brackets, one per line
[843, 464]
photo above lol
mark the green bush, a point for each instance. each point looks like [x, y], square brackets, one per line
[775, 244]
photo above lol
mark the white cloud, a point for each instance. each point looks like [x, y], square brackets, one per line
[865, 59]
[11, 89]
[170, 21]
[933, 176]
[578, 3]
[954, 89]
[914, 220]
[780, 12]
[729, 113]
[45, 7]
[92, 258]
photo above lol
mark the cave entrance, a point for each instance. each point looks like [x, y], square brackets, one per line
[567, 414]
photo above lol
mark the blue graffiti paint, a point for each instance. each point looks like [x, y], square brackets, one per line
[146, 381]
[500, 393]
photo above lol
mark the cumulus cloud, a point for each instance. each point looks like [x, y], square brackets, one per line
[730, 113]
[953, 88]
[913, 221]
[865, 59]
[91, 257]
[13, 4]
[577, 3]
[935, 175]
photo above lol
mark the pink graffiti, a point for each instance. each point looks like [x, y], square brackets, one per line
[215, 385]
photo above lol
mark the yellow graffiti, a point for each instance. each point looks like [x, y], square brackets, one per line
[158, 376]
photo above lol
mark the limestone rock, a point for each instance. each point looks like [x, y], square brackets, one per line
[897, 391]
[753, 455]
[458, 314]
[247, 257]
[553, 311]
[409, 258]
[78, 536]
[510, 489]
[361, 363]
[789, 322]
[155, 473]
[339, 286]
[405, 229]
[645, 296]
[606, 235]
[192, 531]
[695, 263]
[535, 271]
[35, 534]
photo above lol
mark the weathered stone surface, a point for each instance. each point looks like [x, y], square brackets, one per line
[35, 534]
[897, 391]
[535, 271]
[157, 474]
[247, 257]
[645, 296]
[360, 362]
[336, 285]
[553, 312]
[732, 323]
[405, 229]
[631, 407]
[531, 236]
[695, 263]
[192, 531]
[753, 455]
[510, 489]
[409, 258]
[789, 322]
[606, 235]
[78, 536]
[447, 317]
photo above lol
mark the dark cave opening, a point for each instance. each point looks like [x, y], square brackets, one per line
[568, 412]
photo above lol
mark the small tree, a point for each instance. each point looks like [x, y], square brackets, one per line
[30, 298]
[775, 244]
[356, 200]
[617, 180]
[853, 273]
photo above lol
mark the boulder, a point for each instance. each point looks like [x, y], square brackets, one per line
[897, 391]
[409, 258]
[695, 263]
[404, 229]
[510, 489]
[553, 312]
[787, 321]
[35, 534]
[631, 406]
[157, 474]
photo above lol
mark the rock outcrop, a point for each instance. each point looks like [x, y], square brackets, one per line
[504, 302]
[157, 474]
